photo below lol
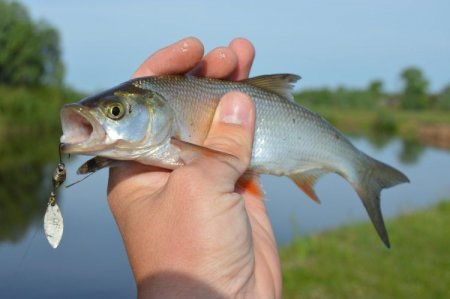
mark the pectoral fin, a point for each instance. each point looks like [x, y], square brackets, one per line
[190, 151]
[95, 164]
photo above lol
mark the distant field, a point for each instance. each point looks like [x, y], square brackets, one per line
[351, 262]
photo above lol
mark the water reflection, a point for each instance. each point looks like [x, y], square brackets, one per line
[91, 261]
[25, 169]
[379, 141]
[25, 175]
[411, 151]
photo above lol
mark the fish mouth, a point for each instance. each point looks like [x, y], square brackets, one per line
[82, 133]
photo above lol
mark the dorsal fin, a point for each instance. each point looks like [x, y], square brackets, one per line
[280, 84]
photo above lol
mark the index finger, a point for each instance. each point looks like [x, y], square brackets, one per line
[176, 58]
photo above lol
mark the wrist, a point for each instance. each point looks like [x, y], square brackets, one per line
[176, 285]
[187, 284]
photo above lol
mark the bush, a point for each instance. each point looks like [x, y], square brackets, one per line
[415, 90]
[340, 97]
[385, 122]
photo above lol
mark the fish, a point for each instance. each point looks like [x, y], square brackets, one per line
[154, 120]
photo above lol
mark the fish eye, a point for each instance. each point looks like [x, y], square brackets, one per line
[115, 111]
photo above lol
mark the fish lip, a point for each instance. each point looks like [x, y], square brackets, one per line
[76, 119]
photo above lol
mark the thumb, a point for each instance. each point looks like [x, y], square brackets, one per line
[231, 131]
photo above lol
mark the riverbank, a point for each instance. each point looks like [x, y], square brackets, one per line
[430, 127]
[351, 262]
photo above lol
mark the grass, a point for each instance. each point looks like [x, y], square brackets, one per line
[351, 262]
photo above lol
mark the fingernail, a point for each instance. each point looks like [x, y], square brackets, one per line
[234, 109]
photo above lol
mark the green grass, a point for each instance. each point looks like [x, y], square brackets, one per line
[351, 262]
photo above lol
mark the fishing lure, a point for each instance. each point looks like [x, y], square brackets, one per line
[53, 220]
[59, 176]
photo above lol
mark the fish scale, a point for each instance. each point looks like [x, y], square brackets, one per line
[169, 114]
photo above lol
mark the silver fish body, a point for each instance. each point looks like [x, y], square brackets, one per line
[288, 137]
[290, 140]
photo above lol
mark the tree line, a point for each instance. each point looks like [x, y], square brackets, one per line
[30, 52]
[30, 56]
[413, 96]
[31, 72]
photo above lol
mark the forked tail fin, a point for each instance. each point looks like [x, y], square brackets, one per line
[371, 179]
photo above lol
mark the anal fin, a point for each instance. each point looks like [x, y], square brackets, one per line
[306, 180]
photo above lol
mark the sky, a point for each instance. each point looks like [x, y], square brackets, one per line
[329, 43]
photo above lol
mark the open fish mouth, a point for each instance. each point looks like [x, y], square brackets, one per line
[82, 133]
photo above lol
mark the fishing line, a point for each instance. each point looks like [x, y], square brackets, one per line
[13, 277]
[27, 249]
[59, 152]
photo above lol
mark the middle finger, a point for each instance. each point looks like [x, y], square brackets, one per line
[218, 63]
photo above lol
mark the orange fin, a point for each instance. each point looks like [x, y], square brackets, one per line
[306, 181]
[190, 151]
[250, 183]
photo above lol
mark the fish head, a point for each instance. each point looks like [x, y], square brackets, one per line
[120, 123]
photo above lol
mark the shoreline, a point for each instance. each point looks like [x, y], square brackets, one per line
[428, 127]
[435, 135]
[321, 262]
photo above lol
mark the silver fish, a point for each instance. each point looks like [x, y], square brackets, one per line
[153, 119]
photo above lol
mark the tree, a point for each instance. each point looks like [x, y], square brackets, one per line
[376, 88]
[415, 89]
[444, 98]
[30, 53]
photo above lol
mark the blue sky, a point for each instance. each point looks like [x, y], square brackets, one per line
[328, 43]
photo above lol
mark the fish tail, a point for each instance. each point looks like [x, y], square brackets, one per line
[371, 177]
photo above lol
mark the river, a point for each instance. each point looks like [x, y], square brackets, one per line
[91, 261]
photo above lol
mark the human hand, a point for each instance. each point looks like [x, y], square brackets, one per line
[188, 232]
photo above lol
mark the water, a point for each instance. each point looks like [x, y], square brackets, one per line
[293, 213]
[91, 261]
